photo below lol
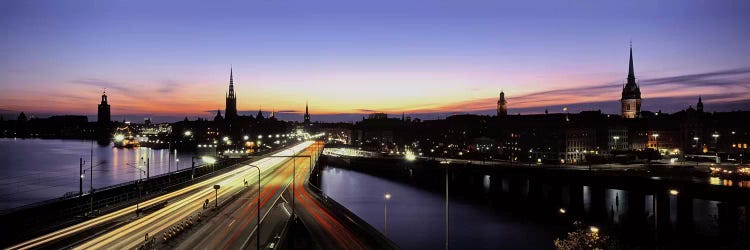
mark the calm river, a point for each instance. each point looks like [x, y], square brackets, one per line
[36, 169]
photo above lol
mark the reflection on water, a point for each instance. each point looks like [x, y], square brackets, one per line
[35, 169]
[416, 217]
[729, 183]
[517, 212]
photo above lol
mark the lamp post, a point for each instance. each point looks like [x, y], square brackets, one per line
[140, 179]
[216, 189]
[614, 147]
[80, 181]
[169, 162]
[148, 165]
[258, 204]
[177, 162]
[447, 210]
[696, 142]
[294, 176]
[716, 141]
[386, 197]
[656, 142]
[192, 167]
[91, 174]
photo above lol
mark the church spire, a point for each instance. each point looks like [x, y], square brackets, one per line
[307, 113]
[231, 82]
[631, 93]
[631, 71]
[230, 110]
[260, 112]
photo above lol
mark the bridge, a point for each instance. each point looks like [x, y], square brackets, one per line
[259, 204]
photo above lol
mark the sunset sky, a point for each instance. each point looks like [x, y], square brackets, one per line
[347, 58]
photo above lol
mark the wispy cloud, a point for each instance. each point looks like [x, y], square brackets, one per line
[168, 87]
[102, 84]
[726, 86]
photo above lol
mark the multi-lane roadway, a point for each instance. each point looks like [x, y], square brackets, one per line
[233, 224]
[181, 204]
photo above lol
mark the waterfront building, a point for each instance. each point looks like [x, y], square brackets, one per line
[631, 94]
[103, 117]
[103, 122]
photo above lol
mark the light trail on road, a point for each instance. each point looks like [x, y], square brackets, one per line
[188, 200]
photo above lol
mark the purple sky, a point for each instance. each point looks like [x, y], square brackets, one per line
[171, 59]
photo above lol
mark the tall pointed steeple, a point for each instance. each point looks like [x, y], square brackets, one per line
[218, 117]
[260, 113]
[231, 104]
[231, 81]
[631, 93]
[307, 113]
[699, 106]
[631, 71]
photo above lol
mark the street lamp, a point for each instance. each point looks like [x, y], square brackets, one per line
[615, 138]
[386, 197]
[140, 179]
[656, 142]
[447, 210]
[294, 177]
[258, 205]
[216, 188]
[716, 140]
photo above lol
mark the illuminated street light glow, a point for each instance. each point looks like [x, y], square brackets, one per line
[594, 230]
[674, 192]
[188, 133]
[410, 156]
[208, 159]
[119, 137]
